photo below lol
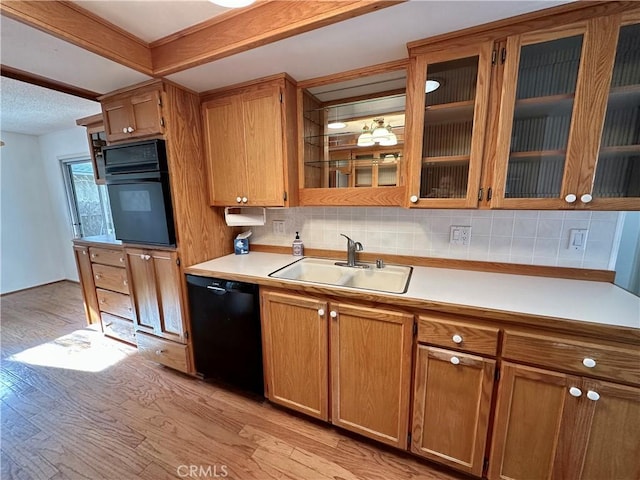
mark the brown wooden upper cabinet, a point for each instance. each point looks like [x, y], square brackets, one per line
[129, 116]
[97, 139]
[569, 125]
[352, 138]
[448, 96]
[544, 119]
[249, 136]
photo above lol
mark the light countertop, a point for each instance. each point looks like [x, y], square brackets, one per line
[581, 300]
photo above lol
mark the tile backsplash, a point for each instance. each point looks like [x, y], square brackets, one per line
[523, 236]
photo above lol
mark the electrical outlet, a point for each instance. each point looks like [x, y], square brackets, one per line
[278, 227]
[460, 235]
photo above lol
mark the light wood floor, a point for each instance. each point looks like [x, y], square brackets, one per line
[78, 405]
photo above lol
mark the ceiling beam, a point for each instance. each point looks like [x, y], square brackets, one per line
[265, 23]
[22, 76]
[80, 27]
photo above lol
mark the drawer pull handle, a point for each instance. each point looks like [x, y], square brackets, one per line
[575, 392]
[334, 314]
[455, 360]
[589, 362]
[160, 352]
[97, 277]
[456, 339]
[591, 395]
[108, 324]
[321, 312]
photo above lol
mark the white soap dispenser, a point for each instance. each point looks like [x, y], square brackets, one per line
[298, 246]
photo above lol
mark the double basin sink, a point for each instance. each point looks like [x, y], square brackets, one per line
[389, 278]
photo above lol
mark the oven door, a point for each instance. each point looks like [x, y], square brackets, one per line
[141, 208]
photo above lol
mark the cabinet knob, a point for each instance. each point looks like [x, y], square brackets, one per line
[455, 360]
[414, 199]
[93, 255]
[124, 130]
[245, 199]
[84, 252]
[575, 392]
[97, 277]
[586, 198]
[121, 260]
[570, 198]
[333, 314]
[589, 362]
[239, 199]
[160, 352]
[125, 283]
[147, 257]
[591, 395]
[142, 256]
[102, 301]
[456, 338]
[129, 129]
[321, 312]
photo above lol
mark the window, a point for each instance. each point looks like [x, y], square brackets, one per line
[88, 202]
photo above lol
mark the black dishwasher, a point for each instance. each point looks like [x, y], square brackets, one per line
[225, 328]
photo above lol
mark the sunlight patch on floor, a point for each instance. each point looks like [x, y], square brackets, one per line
[83, 350]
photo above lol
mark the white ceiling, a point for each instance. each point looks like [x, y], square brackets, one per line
[369, 39]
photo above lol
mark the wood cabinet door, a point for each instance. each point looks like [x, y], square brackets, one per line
[533, 419]
[85, 274]
[610, 426]
[446, 126]
[224, 144]
[295, 349]
[263, 143]
[117, 118]
[97, 139]
[156, 291]
[371, 371]
[146, 114]
[169, 295]
[451, 403]
[144, 290]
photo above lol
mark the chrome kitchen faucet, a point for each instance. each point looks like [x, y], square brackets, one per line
[352, 248]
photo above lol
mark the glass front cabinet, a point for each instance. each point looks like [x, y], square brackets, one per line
[545, 119]
[568, 133]
[447, 113]
[352, 142]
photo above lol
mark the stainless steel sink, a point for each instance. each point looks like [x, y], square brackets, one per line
[390, 278]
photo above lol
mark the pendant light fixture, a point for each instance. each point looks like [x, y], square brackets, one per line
[431, 85]
[377, 133]
[233, 3]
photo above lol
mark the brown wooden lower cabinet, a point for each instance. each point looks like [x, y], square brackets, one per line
[553, 425]
[85, 274]
[451, 404]
[156, 290]
[295, 350]
[370, 365]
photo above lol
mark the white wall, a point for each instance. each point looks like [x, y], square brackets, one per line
[526, 237]
[29, 244]
[70, 143]
[628, 261]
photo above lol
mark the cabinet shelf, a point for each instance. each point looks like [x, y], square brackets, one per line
[447, 159]
[538, 153]
[549, 105]
[620, 150]
[446, 112]
[337, 163]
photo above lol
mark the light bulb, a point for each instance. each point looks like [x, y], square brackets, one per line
[431, 85]
[366, 139]
[336, 125]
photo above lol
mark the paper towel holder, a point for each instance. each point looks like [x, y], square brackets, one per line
[245, 216]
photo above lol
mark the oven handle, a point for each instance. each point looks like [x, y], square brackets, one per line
[122, 178]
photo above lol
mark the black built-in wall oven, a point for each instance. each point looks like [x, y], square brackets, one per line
[137, 180]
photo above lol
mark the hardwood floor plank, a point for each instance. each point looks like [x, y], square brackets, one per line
[123, 417]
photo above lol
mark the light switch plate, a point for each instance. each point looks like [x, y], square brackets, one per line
[278, 227]
[460, 235]
[577, 239]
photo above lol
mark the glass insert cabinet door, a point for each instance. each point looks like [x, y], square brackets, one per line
[555, 148]
[449, 95]
[617, 171]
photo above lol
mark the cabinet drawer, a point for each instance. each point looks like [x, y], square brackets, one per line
[119, 328]
[111, 278]
[459, 335]
[115, 303]
[106, 256]
[614, 363]
[174, 355]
